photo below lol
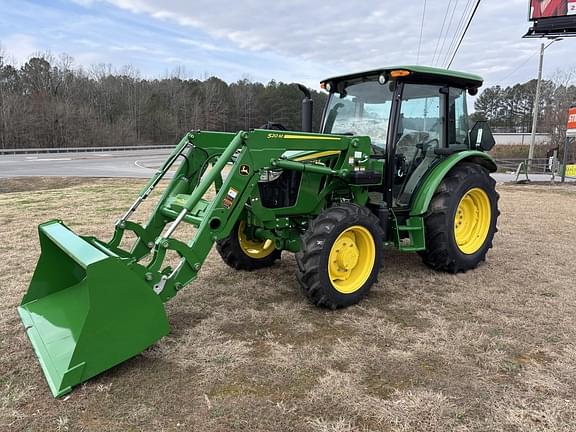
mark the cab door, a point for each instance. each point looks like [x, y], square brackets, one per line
[420, 130]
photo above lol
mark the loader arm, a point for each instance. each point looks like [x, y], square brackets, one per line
[183, 199]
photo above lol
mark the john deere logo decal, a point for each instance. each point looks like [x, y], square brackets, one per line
[244, 170]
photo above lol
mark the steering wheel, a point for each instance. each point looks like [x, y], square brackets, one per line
[403, 167]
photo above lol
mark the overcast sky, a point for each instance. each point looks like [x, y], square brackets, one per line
[298, 40]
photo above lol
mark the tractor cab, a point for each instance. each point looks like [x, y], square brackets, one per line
[414, 116]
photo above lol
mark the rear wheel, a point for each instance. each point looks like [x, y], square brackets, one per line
[340, 256]
[241, 252]
[461, 220]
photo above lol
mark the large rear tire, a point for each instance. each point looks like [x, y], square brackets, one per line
[461, 220]
[242, 253]
[340, 256]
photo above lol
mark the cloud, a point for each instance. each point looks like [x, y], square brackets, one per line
[294, 40]
[95, 33]
[84, 2]
[20, 46]
[87, 42]
[204, 45]
[360, 34]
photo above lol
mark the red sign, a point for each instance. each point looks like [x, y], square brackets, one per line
[551, 8]
[571, 131]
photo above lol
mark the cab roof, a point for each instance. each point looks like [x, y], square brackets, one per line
[421, 74]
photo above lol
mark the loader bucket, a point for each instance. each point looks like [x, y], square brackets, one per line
[86, 309]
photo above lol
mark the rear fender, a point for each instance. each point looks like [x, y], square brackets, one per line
[427, 189]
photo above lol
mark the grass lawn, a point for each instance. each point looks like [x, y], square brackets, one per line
[491, 349]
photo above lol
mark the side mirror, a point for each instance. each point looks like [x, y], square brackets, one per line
[481, 137]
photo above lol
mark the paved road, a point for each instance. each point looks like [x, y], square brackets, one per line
[114, 164]
[140, 164]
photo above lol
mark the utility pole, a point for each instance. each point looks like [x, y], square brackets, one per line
[537, 102]
[536, 106]
[567, 142]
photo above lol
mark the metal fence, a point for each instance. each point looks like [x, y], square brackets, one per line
[522, 168]
[83, 149]
[538, 165]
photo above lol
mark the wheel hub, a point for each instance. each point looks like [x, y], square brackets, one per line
[256, 249]
[351, 259]
[346, 254]
[472, 221]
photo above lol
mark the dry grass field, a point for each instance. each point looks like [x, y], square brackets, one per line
[489, 350]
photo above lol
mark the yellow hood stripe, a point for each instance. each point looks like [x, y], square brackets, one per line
[307, 137]
[316, 155]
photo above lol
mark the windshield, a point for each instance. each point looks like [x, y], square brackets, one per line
[364, 110]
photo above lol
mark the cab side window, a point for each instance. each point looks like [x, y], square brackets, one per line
[457, 119]
[421, 119]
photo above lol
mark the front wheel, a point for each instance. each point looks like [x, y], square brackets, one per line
[461, 220]
[241, 252]
[340, 256]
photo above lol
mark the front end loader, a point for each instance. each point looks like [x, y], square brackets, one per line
[396, 164]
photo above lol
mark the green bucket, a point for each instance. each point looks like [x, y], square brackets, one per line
[86, 309]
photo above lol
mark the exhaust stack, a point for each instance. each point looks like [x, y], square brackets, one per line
[307, 109]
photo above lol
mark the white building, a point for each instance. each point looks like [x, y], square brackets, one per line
[520, 138]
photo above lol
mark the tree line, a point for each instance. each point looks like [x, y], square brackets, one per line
[510, 109]
[48, 103]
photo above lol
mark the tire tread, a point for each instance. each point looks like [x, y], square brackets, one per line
[310, 257]
[438, 227]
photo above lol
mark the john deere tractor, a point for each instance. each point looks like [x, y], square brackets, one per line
[395, 164]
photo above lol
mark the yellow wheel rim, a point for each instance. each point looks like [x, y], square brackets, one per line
[256, 249]
[472, 221]
[351, 259]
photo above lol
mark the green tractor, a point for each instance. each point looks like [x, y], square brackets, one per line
[396, 164]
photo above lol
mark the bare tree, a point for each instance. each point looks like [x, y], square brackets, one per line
[48, 102]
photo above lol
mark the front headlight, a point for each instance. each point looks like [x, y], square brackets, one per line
[269, 175]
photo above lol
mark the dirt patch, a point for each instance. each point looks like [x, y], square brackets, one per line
[489, 350]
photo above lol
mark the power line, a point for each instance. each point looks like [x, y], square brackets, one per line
[530, 57]
[457, 32]
[464, 34]
[525, 61]
[421, 31]
[447, 31]
[442, 30]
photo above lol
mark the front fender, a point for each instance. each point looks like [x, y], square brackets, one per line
[426, 191]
